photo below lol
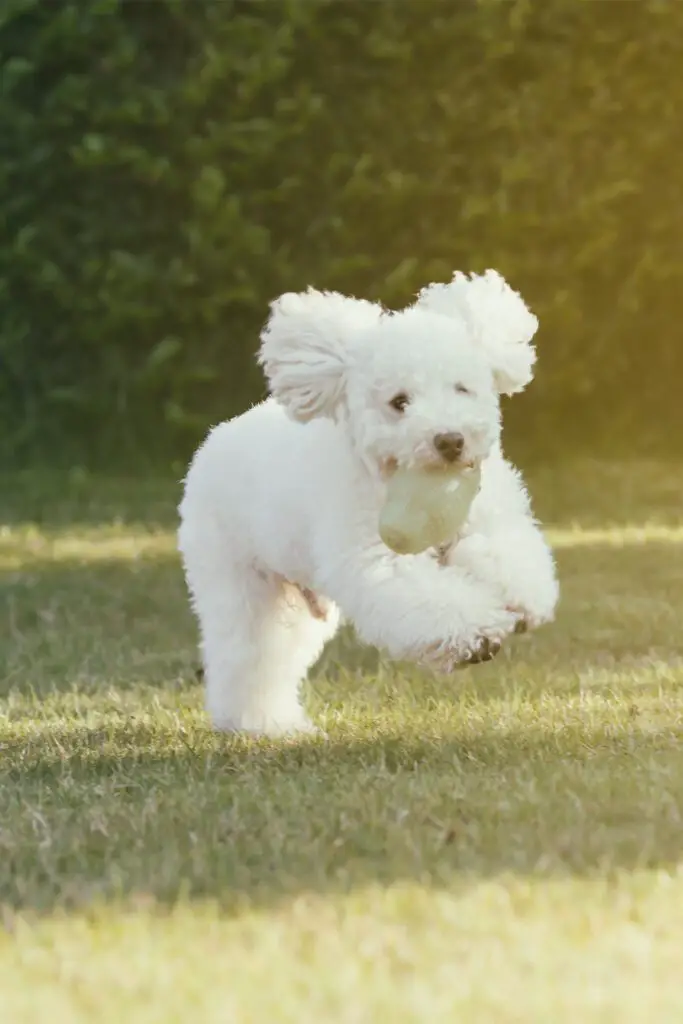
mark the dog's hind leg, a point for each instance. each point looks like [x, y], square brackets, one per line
[259, 637]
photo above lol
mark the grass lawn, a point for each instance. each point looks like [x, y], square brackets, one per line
[503, 846]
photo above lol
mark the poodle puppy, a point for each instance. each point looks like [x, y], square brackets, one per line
[279, 515]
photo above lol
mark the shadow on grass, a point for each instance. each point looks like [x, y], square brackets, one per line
[130, 811]
[126, 623]
[58, 501]
[114, 624]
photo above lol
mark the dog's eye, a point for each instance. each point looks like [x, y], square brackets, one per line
[400, 401]
[462, 390]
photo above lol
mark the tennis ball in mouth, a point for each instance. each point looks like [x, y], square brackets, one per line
[425, 507]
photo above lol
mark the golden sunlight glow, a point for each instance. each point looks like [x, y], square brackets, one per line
[624, 536]
[23, 547]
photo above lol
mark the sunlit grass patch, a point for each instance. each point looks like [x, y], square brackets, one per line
[29, 547]
[503, 950]
[615, 536]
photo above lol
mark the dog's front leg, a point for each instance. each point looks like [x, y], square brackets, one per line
[517, 561]
[413, 608]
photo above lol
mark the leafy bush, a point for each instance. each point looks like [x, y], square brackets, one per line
[169, 167]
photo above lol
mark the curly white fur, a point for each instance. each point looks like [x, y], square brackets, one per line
[499, 319]
[279, 517]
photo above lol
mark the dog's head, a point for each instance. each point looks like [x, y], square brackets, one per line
[419, 386]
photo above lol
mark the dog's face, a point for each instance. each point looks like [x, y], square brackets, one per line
[420, 392]
[416, 387]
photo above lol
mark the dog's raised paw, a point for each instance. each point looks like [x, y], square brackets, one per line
[445, 661]
[483, 650]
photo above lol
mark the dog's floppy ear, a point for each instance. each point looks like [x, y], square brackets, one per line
[306, 346]
[502, 324]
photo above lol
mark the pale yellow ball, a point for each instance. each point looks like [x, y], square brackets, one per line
[426, 507]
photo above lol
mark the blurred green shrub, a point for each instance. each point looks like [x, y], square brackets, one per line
[169, 167]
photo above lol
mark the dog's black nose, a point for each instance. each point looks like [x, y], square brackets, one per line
[449, 446]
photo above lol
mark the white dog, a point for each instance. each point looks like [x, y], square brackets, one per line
[279, 518]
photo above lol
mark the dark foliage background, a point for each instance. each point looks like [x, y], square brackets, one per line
[168, 166]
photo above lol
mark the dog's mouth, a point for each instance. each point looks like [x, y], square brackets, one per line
[428, 464]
